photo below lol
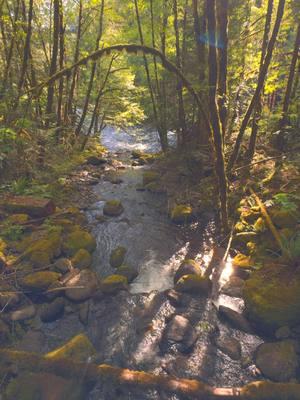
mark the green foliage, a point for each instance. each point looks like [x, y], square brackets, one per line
[287, 202]
[11, 231]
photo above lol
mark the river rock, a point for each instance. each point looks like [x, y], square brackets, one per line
[53, 311]
[32, 341]
[150, 176]
[194, 284]
[117, 256]
[237, 320]
[234, 287]
[79, 348]
[43, 386]
[113, 284]
[113, 208]
[188, 267]
[96, 160]
[39, 281]
[34, 206]
[81, 286]
[79, 239]
[82, 259]
[24, 313]
[84, 309]
[229, 346]
[63, 265]
[283, 333]
[180, 331]
[278, 361]
[181, 214]
[4, 332]
[129, 273]
[113, 178]
[9, 300]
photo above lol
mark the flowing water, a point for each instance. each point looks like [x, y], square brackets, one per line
[127, 328]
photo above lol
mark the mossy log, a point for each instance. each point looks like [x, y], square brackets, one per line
[11, 360]
[35, 207]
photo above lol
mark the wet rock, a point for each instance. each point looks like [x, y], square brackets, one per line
[32, 341]
[113, 284]
[23, 314]
[272, 297]
[175, 298]
[113, 178]
[42, 252]
[180, 331]
[39, 281]
[149, 177]
[278, 361]
[237, 320]
[181, 214]
[79, 348]
[4, 332]
[43, 386]
[79, 239]
[82, 259]
[188, 267]
[53, 311]
[117, 256]
[63, 265]
[56, 289]
[229, 346]
[234, 287]
[194, 284]
[34, 206]
[129, 273]
[283, 333]
[9, 300]
[96, 160]
[113, 208]
[84, 310]
[101, 218]
[82, 286]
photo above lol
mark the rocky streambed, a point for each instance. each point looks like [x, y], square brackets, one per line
[137, 292]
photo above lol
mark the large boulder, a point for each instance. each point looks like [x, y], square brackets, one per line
[113, 208]
[181, 214]
[79, 239]
[23, 313]
[82, 259]
[34, 206]
[81, 286]
[229, 346]
[42, 252]
[236, 320]
[179, 331]
[188, 267]
[117, 256]
[52, 311]
[272, 297]
[39, 281]
[278, 361]
[113, 284]
[194, 284]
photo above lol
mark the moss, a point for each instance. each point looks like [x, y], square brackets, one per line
[3, 245]
[128, 272]
[248, 214]
[242, 261]
[82, 259]
[240, 226]
[272, 297]
[117, 256]
[113, 208]
[43, 251]
[181, 213]
[188, 267]
[79, 348]
[39, 281]
[259, 225]
[17, 219]
[193, 284]
[154, 187]
[149, 177]
[113, 284]
[79, 239]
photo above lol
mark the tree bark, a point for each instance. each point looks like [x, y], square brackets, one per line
[260, 83]
[200, 30]
[288, 92]
[214, 114]
[61, 65]
[258, 110]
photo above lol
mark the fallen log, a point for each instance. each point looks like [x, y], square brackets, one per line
[34, 206]
[12, 361]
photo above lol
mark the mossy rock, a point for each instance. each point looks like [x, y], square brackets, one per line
[242, 261]
[259, 225]
[3, 245]
[283, 218]
[129, 273]
[150, 176]
[117, 256]
[113, 208]
[82, 285]
[79, 239]
[82, 259]
[113, 284]
[39, 281]
[79, 348]
[181, 214]
[188, 267]
[42, 252]
[17, 219]
[194, 284]
[272, 297]
[43, 386]
[154, 187]
[248, 214]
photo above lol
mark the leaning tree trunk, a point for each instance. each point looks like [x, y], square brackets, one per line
[258, 110]
[260, 84]
[214, 112]
[287, 97]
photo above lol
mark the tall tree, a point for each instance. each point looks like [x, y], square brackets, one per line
[260, 83]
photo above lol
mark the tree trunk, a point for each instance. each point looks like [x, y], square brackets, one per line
[287, 97]
[260, 83]
[214, 114]
[258, 110]
[92, 75]
[61, 65]
[200, 30]
[181, 111]
[222, 14]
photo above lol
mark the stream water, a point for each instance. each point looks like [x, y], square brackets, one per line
[127, 328]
